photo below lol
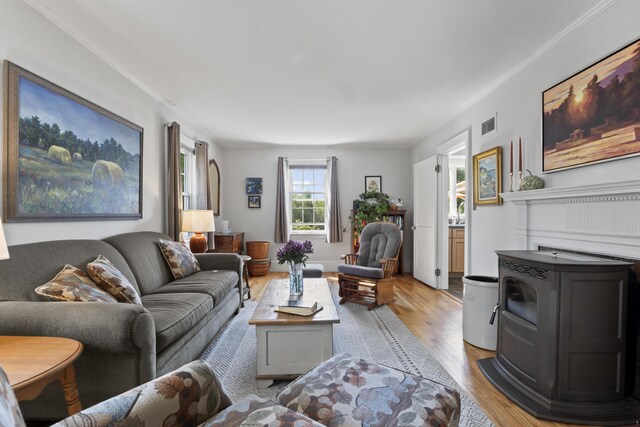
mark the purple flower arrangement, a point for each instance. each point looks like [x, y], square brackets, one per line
[295, 252]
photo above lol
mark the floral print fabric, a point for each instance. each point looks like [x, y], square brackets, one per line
[255, 411]
[349, 391]
[10, 415]
[71, 284]
[183, 398]
[181, 260]
[109, 278]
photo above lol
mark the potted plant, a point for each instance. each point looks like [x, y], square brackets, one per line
[370, 207]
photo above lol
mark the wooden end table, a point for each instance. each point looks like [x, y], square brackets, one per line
[289, 345]
[32, 363]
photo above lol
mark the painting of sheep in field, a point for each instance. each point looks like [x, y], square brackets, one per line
[68, 159]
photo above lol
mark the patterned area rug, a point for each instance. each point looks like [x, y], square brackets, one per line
[377, 335]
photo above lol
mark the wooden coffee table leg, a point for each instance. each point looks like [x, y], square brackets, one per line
[71, 395]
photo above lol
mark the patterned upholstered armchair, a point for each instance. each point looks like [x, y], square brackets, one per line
[367, 277]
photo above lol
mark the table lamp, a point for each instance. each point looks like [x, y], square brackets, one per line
[198, 221]
[4, 250]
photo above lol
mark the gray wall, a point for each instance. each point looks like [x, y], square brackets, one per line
[33, 42]
[353, 165]
[518, 103]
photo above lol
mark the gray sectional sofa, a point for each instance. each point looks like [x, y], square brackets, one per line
[125, 345]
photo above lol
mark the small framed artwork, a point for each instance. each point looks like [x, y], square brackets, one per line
[594, 115]
[254, 201]
[66, 158]
[490, 124]
[373, 183]
[253, 185]
[487, 177]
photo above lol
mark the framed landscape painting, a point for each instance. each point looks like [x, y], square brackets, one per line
[594, 115]
[65, 157]
[487, 177]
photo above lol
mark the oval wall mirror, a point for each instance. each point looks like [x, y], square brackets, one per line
[214, 183]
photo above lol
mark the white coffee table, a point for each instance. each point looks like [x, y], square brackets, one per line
[290, 345]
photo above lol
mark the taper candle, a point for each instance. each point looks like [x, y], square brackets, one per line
[520, 155]
[511, 158]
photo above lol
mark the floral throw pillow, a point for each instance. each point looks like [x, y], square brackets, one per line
[109, 278]
[71, 284]
[181, 260]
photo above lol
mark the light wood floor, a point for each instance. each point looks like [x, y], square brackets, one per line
[435, 318]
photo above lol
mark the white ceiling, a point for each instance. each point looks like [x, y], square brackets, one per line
[318, 72]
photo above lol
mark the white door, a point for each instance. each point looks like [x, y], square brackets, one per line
[428, 221]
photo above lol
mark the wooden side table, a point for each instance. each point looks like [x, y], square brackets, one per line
[32, 363]
[245, 276]
[229, 242]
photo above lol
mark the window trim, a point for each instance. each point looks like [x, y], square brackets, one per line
[313, 165]
[189, 168]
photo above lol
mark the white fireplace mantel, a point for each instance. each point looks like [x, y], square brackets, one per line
[599, 218]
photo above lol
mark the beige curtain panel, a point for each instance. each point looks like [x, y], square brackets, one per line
[334, 231]
[174, 192]
[203, 184]
[282, 226]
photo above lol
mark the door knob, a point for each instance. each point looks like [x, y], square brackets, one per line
[413, 227]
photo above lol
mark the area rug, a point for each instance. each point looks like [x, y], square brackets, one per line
[377, 335]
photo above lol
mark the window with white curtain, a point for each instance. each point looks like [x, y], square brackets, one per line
[307, 198]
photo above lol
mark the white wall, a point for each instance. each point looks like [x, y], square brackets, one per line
[518, 103]
[33, 42]
[353, 165]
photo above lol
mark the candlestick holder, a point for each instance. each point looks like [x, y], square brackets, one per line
[510, 182]
[519, 180]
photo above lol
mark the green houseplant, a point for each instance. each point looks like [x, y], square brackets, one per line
[370, 207]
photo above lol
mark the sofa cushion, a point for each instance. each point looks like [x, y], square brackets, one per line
[175, 313]
[358, 270]
[181, 260]
[71, 284]
[109, 278]
[256, 411]
[143, 254]
[215, 283]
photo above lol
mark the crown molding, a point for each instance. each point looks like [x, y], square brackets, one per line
[183, 116]
[593, 13]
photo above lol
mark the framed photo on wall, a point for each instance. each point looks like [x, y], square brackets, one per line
[254, 201]
[253, 185]
[487, 177]
[373, 183]
[66, 159]
[594, 115]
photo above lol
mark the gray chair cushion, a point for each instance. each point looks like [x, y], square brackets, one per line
[313, 270]
[378, 240]
[215, 283]
[174, 314]
[143, 254]
[358, 270]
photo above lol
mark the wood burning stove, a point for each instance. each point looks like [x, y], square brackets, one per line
[562, 339]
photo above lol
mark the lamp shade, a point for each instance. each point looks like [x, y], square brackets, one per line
[4, 250]
[198, 221]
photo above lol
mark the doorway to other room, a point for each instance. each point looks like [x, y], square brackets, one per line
[456, 201]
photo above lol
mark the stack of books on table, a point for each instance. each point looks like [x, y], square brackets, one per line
[299, 306]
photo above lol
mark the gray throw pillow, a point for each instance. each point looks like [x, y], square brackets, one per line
[181, 260]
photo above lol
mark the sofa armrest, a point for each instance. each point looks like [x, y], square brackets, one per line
[213, 261]
[107, 327]
[156, 402]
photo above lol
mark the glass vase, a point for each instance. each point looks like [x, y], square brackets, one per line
[295, 278]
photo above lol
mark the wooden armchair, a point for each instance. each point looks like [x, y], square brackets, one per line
[367, 277]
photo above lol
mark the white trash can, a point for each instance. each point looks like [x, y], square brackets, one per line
[480, 296]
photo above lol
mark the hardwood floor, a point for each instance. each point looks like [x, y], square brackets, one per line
[436, 320]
